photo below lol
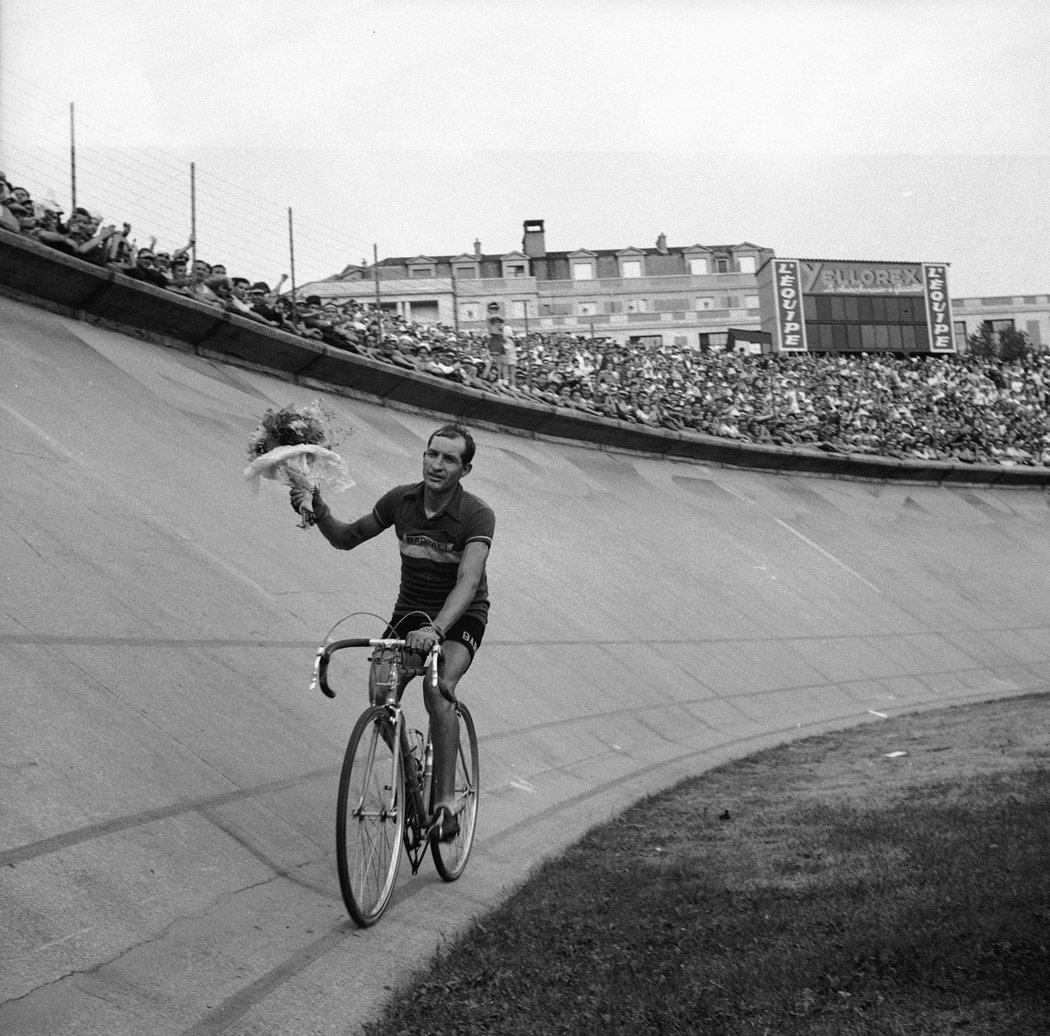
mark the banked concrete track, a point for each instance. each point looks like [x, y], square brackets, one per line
[166, 811]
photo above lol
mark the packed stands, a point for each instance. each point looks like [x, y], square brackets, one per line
[960, 408]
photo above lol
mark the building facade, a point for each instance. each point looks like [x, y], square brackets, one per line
[697, 296]
[688, 296]
[1027, 313]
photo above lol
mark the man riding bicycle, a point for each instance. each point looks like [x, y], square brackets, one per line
[444, 534]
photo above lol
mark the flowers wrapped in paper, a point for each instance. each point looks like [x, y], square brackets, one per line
[294, 446]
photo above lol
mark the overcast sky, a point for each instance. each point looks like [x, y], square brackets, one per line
[849, 129]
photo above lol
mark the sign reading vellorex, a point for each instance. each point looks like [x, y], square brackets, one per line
[938, 307]
[839, 277]
[791, 328]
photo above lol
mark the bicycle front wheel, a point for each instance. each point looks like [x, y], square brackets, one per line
[370, 817]
[450, 858]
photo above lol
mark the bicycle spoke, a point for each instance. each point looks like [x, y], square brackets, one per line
[370, 820]
[450, 857]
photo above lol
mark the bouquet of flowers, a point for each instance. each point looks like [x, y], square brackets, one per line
[294, 446]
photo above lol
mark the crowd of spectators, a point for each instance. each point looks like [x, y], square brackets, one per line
[957, 408]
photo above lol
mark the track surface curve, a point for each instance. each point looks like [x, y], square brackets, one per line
[166, 814]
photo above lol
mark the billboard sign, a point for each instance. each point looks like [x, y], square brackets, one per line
[834, 277]
[787, 292]
[938, 307]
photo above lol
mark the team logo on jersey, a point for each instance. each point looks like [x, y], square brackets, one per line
[423, 545]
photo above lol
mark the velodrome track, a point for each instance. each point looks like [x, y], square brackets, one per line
[166, 812]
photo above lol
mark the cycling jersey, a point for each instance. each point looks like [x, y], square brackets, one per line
[432, 548]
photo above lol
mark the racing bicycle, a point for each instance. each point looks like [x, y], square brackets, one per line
[386, 787]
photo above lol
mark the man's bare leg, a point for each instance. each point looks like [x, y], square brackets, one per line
[444, 723]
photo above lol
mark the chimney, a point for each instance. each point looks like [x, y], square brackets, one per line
[661, 244]
[477, 247]
[533, 244]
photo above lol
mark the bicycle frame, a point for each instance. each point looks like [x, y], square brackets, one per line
[417, 782]
[384, 800]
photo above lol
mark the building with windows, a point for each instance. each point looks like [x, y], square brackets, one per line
[697, 296]
[688, 296]
[1027, 313]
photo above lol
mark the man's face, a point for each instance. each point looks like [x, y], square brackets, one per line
[443, 465]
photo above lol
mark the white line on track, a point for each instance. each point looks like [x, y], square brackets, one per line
[831, 557]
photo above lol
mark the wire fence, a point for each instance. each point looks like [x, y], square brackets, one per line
[62, 153]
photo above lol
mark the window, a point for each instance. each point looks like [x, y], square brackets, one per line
[960, 330]
[721, 265]
[469, 311]
[421, 271]
[465, 273]
[637, 306]
[705, 303]
[631, 268]
[751, 302]
[583, 271]
[586, 309]
[697, 267]
[999, 326]
[746, 264]
[515, 270]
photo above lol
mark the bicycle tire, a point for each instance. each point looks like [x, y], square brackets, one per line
[370, 819]
[450, 858]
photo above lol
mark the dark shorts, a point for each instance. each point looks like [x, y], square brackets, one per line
[468, 630]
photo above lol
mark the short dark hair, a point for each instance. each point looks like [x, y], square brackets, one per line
[456, 431]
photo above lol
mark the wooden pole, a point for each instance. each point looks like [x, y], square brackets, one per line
[193, 212]
[291, 248]
[291, 263]
[379, 308]
[72, 158]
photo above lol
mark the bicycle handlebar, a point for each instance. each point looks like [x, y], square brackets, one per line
[326, 651]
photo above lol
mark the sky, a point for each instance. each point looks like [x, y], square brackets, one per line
[296, 137]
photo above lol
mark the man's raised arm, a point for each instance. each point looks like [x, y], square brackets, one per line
[341, 535]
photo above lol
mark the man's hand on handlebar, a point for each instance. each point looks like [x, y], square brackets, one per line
[423, 640]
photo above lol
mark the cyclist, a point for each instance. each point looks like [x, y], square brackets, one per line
[444, 534]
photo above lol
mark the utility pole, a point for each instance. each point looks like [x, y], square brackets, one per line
[379, 308]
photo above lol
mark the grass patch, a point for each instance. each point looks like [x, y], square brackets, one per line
[818, 888]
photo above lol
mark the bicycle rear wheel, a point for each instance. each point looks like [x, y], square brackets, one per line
[370, 817]
[450, 858]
